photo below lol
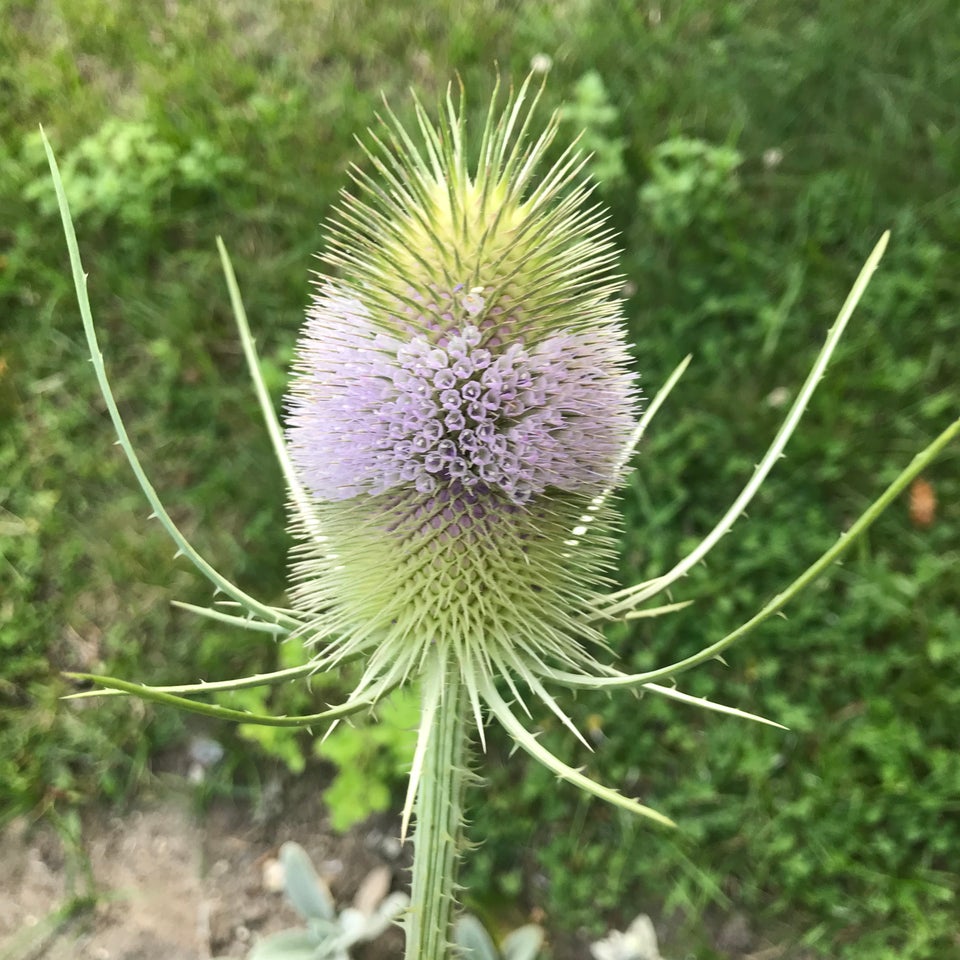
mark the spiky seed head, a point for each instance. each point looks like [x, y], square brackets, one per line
[460, 405]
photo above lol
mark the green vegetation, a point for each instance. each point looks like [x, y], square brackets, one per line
[751, 155]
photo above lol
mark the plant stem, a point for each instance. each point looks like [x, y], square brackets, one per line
[439, 820]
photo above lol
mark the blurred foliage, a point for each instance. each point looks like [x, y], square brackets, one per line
[591, 117]
[371, 760]
[751, 153]
[689, 181]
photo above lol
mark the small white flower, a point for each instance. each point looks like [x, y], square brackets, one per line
[772, 158]
[541, 63]
[638, 943]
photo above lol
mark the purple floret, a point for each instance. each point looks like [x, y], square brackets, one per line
[430, 404]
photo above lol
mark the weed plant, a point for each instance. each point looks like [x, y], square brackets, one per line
[751, 154]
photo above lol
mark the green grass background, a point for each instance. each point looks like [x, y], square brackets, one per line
[751, 153]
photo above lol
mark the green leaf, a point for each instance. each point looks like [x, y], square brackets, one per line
[472, 940]
[524, 943]
[307, 892]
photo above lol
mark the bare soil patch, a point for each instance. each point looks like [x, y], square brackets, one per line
[174, 884]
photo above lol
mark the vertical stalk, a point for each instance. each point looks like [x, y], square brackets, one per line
[439, 817]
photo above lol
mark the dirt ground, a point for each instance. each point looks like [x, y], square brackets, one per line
[173, 884]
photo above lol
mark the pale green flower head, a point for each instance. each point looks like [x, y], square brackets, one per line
[461, 403]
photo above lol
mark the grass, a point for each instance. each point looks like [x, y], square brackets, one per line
[228, 119]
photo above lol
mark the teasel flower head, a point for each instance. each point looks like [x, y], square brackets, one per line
[462, 402]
